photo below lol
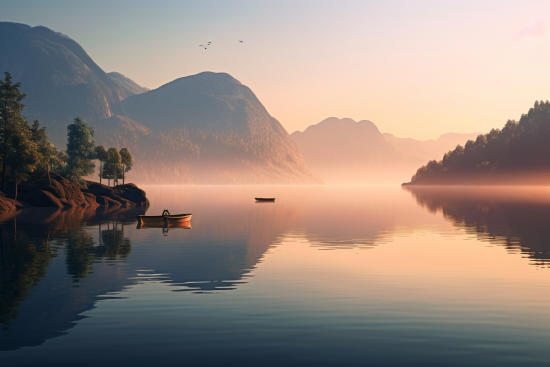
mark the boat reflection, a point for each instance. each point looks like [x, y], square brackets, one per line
[515, 218]
[184, 225]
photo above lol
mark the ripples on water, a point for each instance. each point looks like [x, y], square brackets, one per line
[424, 276]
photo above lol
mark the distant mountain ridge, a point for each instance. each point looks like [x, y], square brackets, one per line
[346, 151]
[428, 149]
[206, 128]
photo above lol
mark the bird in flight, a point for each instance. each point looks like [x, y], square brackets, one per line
[240, 41]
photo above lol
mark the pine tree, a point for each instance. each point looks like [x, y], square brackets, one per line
[23, 156]
[10, 117]
[80, 149]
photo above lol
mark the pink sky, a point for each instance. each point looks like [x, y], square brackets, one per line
[415, 68]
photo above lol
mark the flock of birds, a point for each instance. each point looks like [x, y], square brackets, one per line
[209, 43]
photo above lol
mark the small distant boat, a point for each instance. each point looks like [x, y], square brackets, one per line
[162, 220]
[265, 199]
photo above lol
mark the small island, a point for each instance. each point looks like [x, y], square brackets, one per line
[36, 174]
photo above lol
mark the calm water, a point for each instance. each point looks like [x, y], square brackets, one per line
[325, 276]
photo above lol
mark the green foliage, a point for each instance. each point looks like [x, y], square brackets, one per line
[113, 156]
[112, 169]
[47, 152]
[80, 150]
[100, 153]
[59, 161]
[23, 155]
[11, 121]
[127, 160]
[519, 146]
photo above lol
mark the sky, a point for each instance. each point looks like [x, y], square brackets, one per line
[416, 68]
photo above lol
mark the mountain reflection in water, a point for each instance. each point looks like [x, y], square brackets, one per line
[516, 218]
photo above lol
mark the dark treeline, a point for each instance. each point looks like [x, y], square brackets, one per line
[26, 153]
[519, 153]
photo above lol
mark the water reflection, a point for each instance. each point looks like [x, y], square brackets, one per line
[227, 242]
[516, 218]
[44, 257]
[57, 264]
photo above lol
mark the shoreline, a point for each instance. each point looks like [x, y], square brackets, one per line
[58, 192]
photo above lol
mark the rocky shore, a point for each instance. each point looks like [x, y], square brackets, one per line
[62, 193]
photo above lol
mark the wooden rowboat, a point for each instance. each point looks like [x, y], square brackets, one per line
[165, 219]
[265, 199]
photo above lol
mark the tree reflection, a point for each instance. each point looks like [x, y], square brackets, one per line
[112, 243]
[23, 262]
[82, 250]
[80, 254]
[516, 219]
[31, 240]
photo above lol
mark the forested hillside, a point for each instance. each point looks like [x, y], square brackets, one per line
[519, 153]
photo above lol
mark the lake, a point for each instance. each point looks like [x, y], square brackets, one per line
[325, 276]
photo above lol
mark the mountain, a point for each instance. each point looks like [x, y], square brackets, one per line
[428, 149]
[346, 151]
[127, 84]
[519, 154]
[59, 78]
[206, 128]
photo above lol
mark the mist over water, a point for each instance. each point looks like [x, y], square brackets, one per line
[326, 275]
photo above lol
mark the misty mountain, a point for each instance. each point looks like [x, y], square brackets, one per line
[59, 78]
[206, 128]
[517, 154]
[428, 149]
[346, 151]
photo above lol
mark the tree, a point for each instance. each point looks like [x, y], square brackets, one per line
[47, 151]
[23, 155]
[50, 157]
[113, 158]
[80, 149]
[59, 161]
[10, 115]
[101, 156]
[127, 161]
